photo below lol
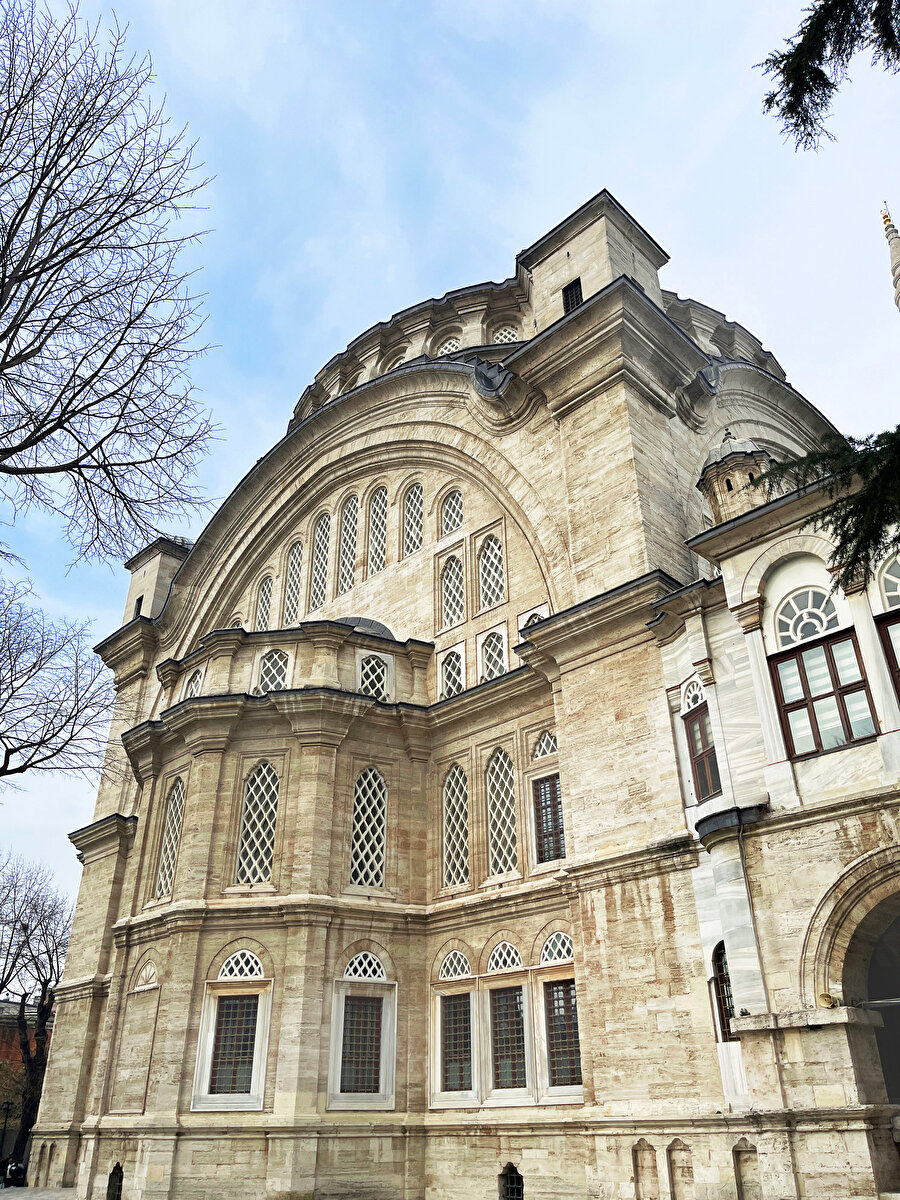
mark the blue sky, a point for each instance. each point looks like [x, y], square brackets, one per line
[370, 154]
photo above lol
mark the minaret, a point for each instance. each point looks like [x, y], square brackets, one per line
[893, 237]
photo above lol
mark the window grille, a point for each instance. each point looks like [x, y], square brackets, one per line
[545, 745]
[147, 978]
[504, 335]
[113, 1183]
[807, 614]
[192, 688]
[456, 1043]
[491, 584]
[563, 1050]
[823, 696]
[549, 831]
[233, 1042]
[365, 965]
[168, 852]
[292, 586]
[257, 839]
[504, 957]
[455, 966]
[361, 1044]
[367, 837]
[508, 1038]
[413, 512]
[890, 583]
[571, 295]
[237, 623]
[557, 948]
[693, 696]
[501, 798]
[453, 601]
[456, 827]
[319, 583]
[373, 677]
[243, 964]
[449, 346]
[722, 992]
[451, 675]
[451, 512]
[704, 764]
[512, 1185]
[534, 619]
[377, 531]
[493, 659]
[272, 672]
[347, 547]
[263, 603]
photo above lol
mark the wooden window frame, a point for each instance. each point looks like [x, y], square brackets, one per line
[700, 760]
[723, 993]
[884, 622]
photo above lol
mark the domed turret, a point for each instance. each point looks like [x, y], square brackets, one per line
[728, 477]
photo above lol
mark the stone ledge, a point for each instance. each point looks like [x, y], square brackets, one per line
[811, 1018]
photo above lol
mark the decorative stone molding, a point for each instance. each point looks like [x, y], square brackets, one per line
[749, 614]
[109, 835]
[801, 543]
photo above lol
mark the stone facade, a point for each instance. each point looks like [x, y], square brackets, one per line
[465, 705]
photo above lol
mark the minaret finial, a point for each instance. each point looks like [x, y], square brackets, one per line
[893, 237]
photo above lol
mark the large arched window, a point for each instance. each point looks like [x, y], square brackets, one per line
[453, 600]
[319, 580]
[292, 585]
[367, 838]
[377, 531]
[451, 512]
[347, 545]
[501, 805]
[491, 580]
[451, 674]
[721, 981]
[455, 798]
[263, 603]
[234, 1027]
[413, 513]
[806, 614]
[171, 836]
[256, 842]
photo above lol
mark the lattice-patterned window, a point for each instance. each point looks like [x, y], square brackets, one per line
[504, 957]
[807, 614]
[397, 362]
[451, 674]
[549, 834]
[319, 580]
[168, 851]
[456, 1042]
[557, 948]
[256, 843]
[453, 593]
[273, 667]
[347, 545]
[292, 585]
[493, 657]
[413, 516]
[236, 623]
[263, 603]
[721, 981]
[890, 583]
[455, 797]
[504, 335]
[451, 512]
[449, 346]
[508, 1038]
[545, 745]
[501, 804]
[563, 1050]
[373, 677]
[534, 619]
[455, 966]
[365, 965]
[361, 1067]
[192, 687]
[491, 580]
[243, 964]
[367, 838]
[233, 1045]
[377, 531]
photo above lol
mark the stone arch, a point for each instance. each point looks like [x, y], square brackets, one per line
[646, 1171]
[145, 974]
[241, 943]
[557, 924]
[515, 938]
[51, 1154]
[40, 1164]
[681, 1170]
[746, 1170]
[358, 947]
[802, 543]
[453, 943]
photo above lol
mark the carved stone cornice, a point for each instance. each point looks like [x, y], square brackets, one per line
[320, 716]
[109, 835]
[415, 725]
[749, 614]
[206, 724]
[129, 651]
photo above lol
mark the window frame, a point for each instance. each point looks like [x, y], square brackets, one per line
[453, 987]
[884, 621]
[554, 973]
[698, 760]
[535, 780]
[495, 1097]
[202, 1100]
[572, 294]
[384, 1098]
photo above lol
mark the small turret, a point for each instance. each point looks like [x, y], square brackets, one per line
[893, 239]
[152, 571]
[728, 475]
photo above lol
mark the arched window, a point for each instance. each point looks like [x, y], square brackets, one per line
[367, 838]
[890, 583]
[512, 1185]
[721, 981]
[373, 677]
[501, 803]
[557, 948]
[168, 850]
[493, 658]
[413, 511]
[256, 843]
[263, 603]
[534, 619]
[114, 1183]
[377, 531]
[397, 362]
[243, 964]
[455, 966]
[361, 1073]
[365, 966]
[807, 614]
[545, 745]
[451, 675]
[504, 957]
[453, 602]
[451, 512]
[449, 346]
[455, 797]
[192, 687]
[347, 545]
[272, 672]
[681, 1170]
[504, 335]
[292, 585]
[491, 582]
[319, 581]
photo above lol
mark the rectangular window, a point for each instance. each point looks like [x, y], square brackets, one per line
[704, 764]
[456, 1043]
[361, 1044]
[572, 295]
[890, 639]
[550, 838]
[508, 1037]
[823, 696]
[563, 1052]
[233, 1042]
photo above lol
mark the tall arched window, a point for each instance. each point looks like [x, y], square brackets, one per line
[263, 603]
[504, 335]
[256, 843]
[114, 1183]
[367, 838]
[192, 687]
[377, 531]
[451, 675]
[413, 512]
[168, 850]
[319, 580]
[501, 804]
[491, 581]
[455, 796]
[451, 512]
[453, 601]
[721, 981]
[292, 585]
[347, 545]
[512, 1185]
[493, 658]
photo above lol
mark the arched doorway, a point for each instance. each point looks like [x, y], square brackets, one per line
[872, 981]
